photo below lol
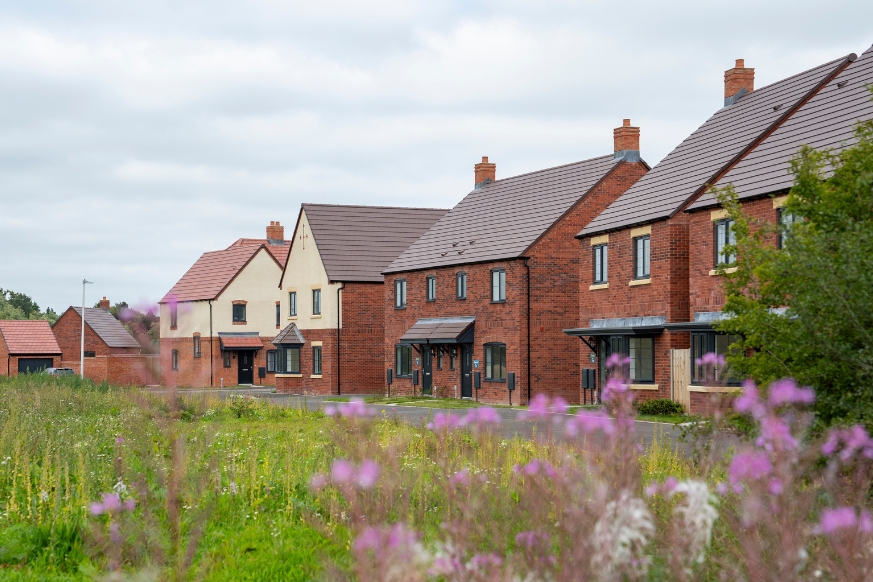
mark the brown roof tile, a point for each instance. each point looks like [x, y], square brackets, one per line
[438, 330]
[212, 272]
[32, 336]
[279, 251]
[357, 243]
[503, 218]
[107, 327]
[708, 151]
[827, 120]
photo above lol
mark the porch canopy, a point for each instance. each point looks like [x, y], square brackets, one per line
[650, 325]
[440, 330]
[290, 336]
[240, 340]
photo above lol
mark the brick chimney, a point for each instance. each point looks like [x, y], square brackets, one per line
[104, 303]
[626, 142]
[485, 172]
[737, 82]
[275, 232]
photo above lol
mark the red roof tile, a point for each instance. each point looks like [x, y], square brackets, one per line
[230, 341]
[280, 251]
[29, 337]
[212, 272]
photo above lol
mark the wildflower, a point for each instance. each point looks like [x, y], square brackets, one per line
[854, 440]
[588, 422]
[462, 477]
[748, 466]
[43, 495]
[620, 538]
[711, 359]
[530, 539]
[775, 431]
[111, 503]
[614, 389]
[396, 545]
[318, 481]
[617, 360]
[351, 409]
[480, 417]
[342, 471]
[444, 421]
[543, 407]
[233, 488]
[787, 392]
[698, 515]
[749, 402]
[368, 474]
[119, 440]
[833, 520]
[776, 486]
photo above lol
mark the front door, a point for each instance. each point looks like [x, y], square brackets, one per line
[426, 370]
[466, 371]
[246, 374]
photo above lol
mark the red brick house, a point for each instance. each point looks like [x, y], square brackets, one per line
[111, 353]
[332, 295]
[648, 279]
[218, 320]
[479, 301]
[27, 346]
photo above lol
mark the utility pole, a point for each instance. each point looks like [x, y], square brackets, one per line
[82, 354]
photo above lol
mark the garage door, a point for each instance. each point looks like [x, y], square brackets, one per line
[31, 365]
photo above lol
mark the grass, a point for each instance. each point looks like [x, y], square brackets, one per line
[420, 401]
[244, 464]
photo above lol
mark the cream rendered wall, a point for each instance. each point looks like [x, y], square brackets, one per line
[255, 284]
[304, 272]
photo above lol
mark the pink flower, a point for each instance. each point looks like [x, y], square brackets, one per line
[543, 407]
[787, 392]
[588, 422]
[370, 539]
[711, 359]
[614, 389]
[444, 421]
[318, 481]
[120, 439]
[530, 539]
[111, 503]
[775, 486]
[748, 466]
[837, 519]
[617, 360]
[854, 440]
[462, 477]
[480, 417]
[775, 431]
[342, 471]
[368, 474]
[749, 402]
[352, 409]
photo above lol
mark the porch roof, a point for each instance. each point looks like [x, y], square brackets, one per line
[440, 330]
[245, 340]
[290, 336]
[622, 326]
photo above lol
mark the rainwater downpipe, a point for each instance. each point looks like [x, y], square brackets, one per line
[211, 369]
[527, 266]
[339, 322]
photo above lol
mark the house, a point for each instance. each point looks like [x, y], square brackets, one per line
[111, 352]
[637, 254]
[27, 346]
[218, 320]
[475, 307]
[332, 295]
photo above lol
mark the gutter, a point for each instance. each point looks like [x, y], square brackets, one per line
[339, 310]
[527, 266]
[211, 368]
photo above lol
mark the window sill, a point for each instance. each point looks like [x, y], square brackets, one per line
[172, 327]
[401, 307]
[315, 376]
[289, 375]
[461, 298]
[494, 381]
[716, 272]
[315, 316]
[430, 300]
[597, 286]
[404, 376]
[290, 317]
[643, 386]
[239, 322]
[636, 282]
[715, 389]
[499, 301]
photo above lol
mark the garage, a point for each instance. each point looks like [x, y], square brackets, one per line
[33, 365]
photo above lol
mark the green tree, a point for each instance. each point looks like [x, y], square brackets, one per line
[145, 327]
[20, 306]
[823, 276]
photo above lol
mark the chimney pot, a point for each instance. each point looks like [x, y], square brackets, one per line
[741, 64]
[275, 232]
[104, 303]
[626, 139]
[485, 172]
[737, 79]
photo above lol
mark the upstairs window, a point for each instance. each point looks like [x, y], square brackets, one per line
[495, 361]
[403, 360]
[239, 312]
[600, 264]
[784, 219]
[174, 315]
[292, 303]
[642, 268]
[316, 360]
[431, 288]
[278, 314]
[461, 285]
[316, 302]
[498, 285]
[196, 346]
[724, 235]
[400, 293]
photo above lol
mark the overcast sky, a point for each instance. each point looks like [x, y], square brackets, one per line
[134, 136]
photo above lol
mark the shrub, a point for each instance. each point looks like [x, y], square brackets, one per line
[660, 407]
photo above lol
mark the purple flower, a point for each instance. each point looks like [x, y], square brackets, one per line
[370, 539]
[865, 524]
[787, 392]
[775, 486]
[837, 519]
[318, 481]
[748, 466]
[614, 389]
[462, 477]
[775, 431]
[722, 488]
[368, 474]
[588, 422]
[111, 503]
[543, 407]
[530, 539]
[480, 417]
[616, 360]
[342, 471]
[749, 402]
[711, 359]
[854, 440]
[444, 421]
[119, 440]
[670, 484]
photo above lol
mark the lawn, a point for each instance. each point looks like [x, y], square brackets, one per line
[419, 401]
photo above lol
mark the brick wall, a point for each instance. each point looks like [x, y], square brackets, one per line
[703, 404]
[194, 372]
[68, 332]
[309, 383]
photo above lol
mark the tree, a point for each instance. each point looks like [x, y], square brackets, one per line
[20, 306]
[806, 310]
[145, 327]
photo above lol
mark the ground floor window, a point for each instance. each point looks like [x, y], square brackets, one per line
[316, 359]
[196, 346]
[403, 363]
[439, 358]
[640, 351]
[288, 360]
[708, 342]
[453, 352]
[226, 359]
[271, 361]
[495, 361]
[175, 360]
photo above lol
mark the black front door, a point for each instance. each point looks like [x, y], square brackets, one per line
[426, 370]
[466, 371]
[33, 365]
[246, 374]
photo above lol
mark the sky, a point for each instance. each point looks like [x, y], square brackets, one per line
[134, 136]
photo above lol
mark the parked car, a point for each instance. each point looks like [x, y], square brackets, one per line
[60, 371]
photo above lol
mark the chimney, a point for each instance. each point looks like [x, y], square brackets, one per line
[104, 303]
[627, 142]
[485, 172]
[738, 82]
[275, 233]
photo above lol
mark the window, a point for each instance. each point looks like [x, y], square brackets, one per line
[495, 361]
[271, 361]
[641, 258]
[724, 235]
[431, 288]
[600, 264]
[90, 354]
[239, 312]
[439, 358]
[452, 354]
[784, 219]
[292, 360]
[292, 303]
[175, 360]
[707, 342]
[498, 285]
[316, 359]
[316, 302]
[226, 359]
[640, 351]
[196, 346]
[403, 357]
[462, 285]
[174, 315]
[400, 293]
[278, 314]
